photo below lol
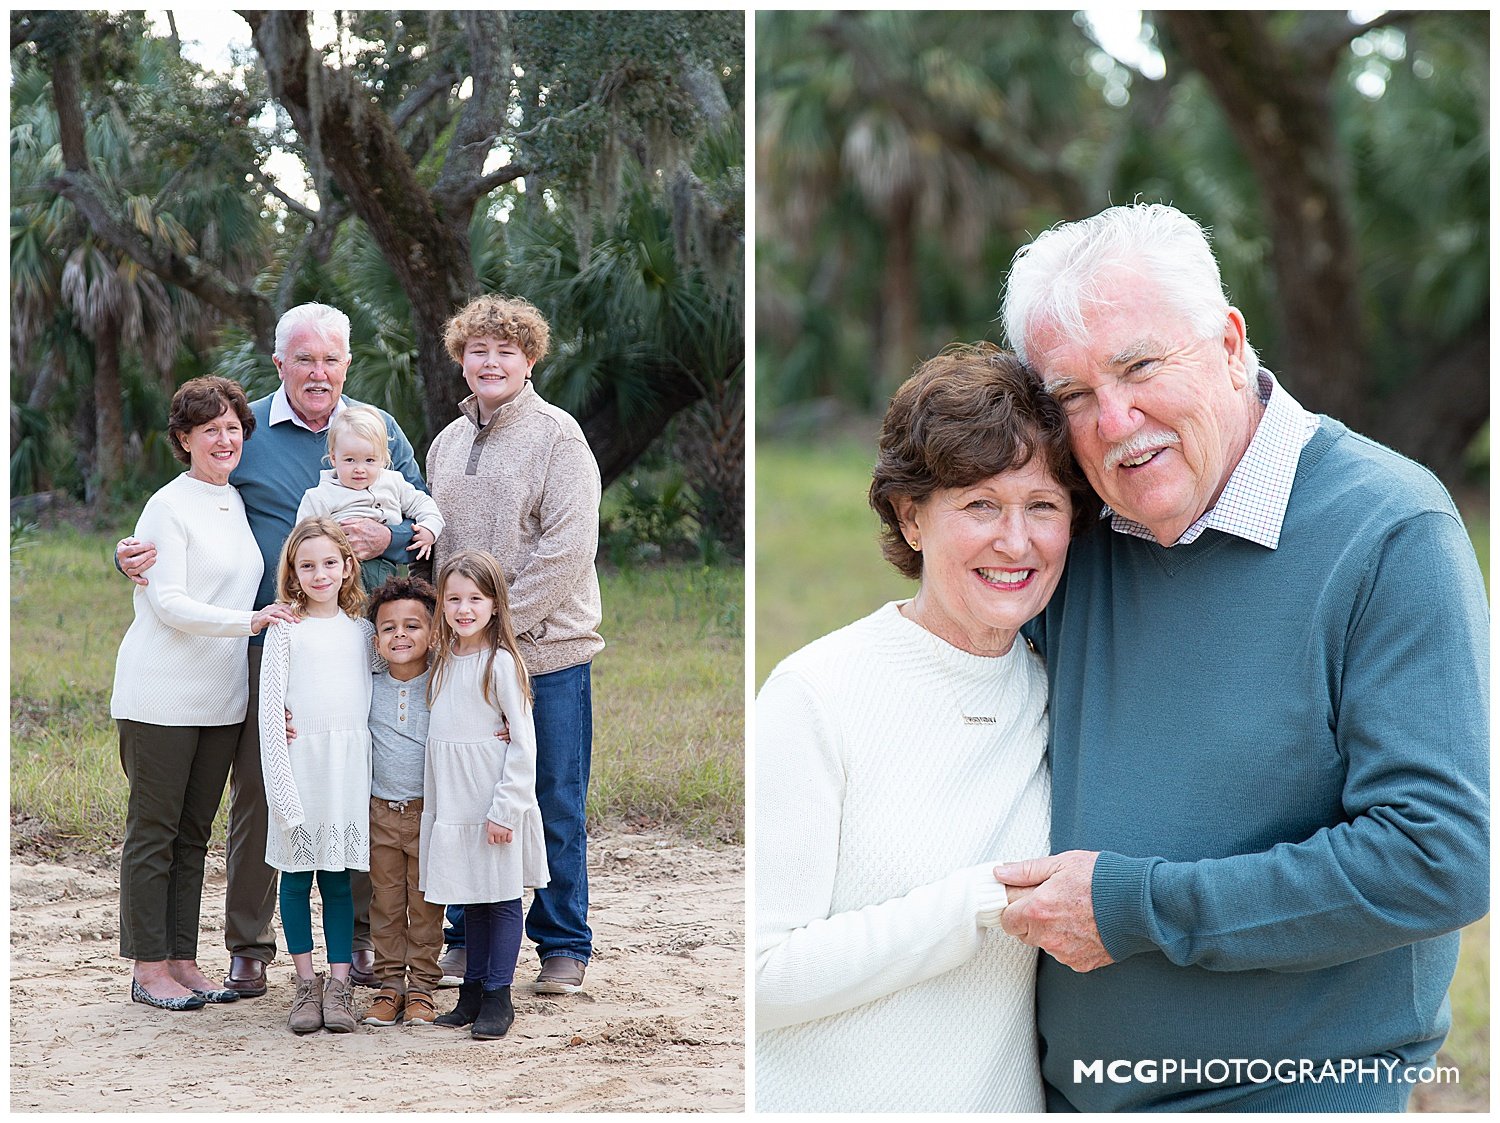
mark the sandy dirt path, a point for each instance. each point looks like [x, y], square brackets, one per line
[660, 1027]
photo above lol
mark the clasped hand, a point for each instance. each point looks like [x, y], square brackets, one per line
[1051, 906]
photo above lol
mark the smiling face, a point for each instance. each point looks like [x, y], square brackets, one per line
[496, 371]
[403, 635]
[468, 612]
[356, 461]
[992, 554]
[1158, 416]
[214, 447]
[320, 569]
[313, 371]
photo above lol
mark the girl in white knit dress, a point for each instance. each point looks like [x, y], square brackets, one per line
[318, 789]
[481, 837]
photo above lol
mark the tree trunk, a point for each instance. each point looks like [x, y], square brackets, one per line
[897, 340]
[443, 386]
[1275, 92]
[109, 423]
[712, 451]
[1435, 415]
[356, 141]
[86, 446]
[617, 444]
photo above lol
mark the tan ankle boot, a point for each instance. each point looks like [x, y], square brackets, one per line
[338, 1006]
[307, 1006]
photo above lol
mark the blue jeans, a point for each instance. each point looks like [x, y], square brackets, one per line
[563, 712]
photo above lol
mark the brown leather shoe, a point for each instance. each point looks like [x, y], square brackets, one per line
[247, 977]
[362, 970]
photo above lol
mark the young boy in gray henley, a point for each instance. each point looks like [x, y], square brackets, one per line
[406, 929]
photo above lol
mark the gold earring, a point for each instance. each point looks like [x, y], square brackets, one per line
[914, 544]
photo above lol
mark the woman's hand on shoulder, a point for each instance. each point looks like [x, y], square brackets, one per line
[495, 834]
[271, 613]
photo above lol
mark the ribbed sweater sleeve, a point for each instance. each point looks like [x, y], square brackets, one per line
[516, 789]
[1411, 860]
[169, 593]
[808, 963]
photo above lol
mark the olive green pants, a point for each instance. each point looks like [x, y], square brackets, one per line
[176, 775]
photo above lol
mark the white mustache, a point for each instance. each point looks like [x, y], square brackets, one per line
[1138, 444]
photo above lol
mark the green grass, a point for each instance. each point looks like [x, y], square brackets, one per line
[669, 721]
[818, 567]
[1468, 1044]
[817, 555]
[668, 693]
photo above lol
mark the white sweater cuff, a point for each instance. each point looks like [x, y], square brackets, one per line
[988, 894]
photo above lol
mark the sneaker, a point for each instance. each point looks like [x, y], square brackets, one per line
[419, 1008]
[386, 1009]
[338, 1006]
[452, 965]
[560, 974]
[307, 1006]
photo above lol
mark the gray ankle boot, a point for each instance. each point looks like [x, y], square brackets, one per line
[307, 1006]
[338, 1006]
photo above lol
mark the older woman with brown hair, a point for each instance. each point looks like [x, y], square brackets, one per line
[180, 691]
[900, 758]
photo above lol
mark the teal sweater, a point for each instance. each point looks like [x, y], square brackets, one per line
[1283, 757]
[279, 463]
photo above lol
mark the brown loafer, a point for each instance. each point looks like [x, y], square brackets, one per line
[247, 977]
[362, 970]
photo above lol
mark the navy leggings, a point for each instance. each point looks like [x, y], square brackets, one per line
[492, 934]
[338, 913]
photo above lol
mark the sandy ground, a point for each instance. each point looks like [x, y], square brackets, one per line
[659, 1028]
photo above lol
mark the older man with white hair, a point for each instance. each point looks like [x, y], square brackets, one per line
[279, 464]
[1269, 712]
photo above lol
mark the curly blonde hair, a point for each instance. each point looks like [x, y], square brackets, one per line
[506, 318]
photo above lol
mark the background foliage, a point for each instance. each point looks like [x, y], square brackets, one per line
[1343, 167]
[591, 162]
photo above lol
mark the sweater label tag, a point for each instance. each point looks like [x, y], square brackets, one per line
[972, 719]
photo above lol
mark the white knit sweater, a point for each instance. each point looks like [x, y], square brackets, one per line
[892, 772]
[182, 661]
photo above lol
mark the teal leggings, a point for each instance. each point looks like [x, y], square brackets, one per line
[338, 913]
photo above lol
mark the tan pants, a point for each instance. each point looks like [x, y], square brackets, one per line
[406, 928]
